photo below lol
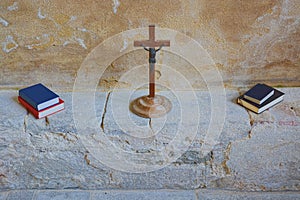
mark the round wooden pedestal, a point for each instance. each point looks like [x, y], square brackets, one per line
[151, 107]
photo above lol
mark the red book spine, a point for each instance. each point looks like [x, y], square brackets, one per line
[29, 107]
[45, 112]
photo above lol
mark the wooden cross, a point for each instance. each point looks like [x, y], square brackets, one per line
[151, 43]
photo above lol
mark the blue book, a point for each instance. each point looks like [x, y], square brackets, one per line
[39, 96]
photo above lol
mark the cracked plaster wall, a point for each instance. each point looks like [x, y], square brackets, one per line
[250, 41]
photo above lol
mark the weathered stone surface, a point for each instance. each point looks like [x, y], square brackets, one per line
[253, 152]
[267, 159]
[243, 38]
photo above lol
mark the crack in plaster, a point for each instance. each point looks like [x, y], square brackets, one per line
[25, 122]
[9, 45]
[104, 111]
[209, 164]
[13, 7]
[73, 38]
[293, 111]
[116, 4]
[4, 22]
[125, 45]
[47, 121]
[66, 137]
[251, 121]
[88, 161]
[150, 125]
[45, 41]
[80, 42]
[226, 158]
[215, 168]
[40, 15]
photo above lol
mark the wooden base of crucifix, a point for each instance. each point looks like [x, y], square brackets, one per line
[151, 106]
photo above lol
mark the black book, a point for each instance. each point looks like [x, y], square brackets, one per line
[259, 93]
[258, 108]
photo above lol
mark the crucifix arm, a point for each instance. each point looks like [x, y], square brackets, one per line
[145, 48]
[159, 48]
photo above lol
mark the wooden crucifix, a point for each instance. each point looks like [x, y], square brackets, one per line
[151, 105]
[151, 43]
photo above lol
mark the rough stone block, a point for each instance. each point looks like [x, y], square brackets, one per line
[266, 160]
[3, 195]
[232, 195]
[21, 194]
[236, 127]
[147, 195]
[63, 122]
[62, 195]
[253, 152]
[255, 137]
[179, 176]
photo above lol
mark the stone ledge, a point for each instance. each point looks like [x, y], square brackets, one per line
[253, 152]
[144, 194]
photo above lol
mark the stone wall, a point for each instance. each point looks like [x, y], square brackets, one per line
[250, 41]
